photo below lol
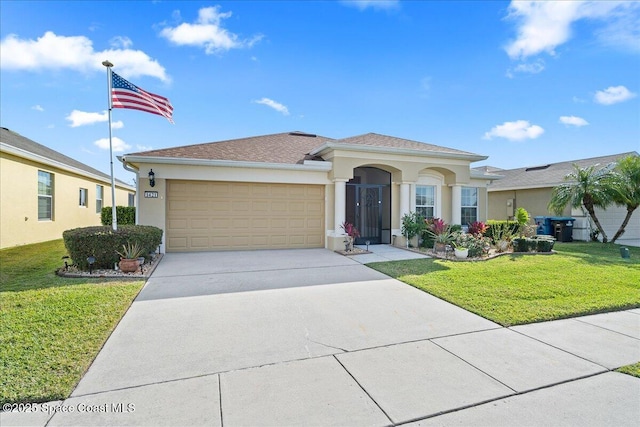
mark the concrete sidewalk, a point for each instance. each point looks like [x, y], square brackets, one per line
[281, 338]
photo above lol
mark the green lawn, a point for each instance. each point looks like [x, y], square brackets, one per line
[581, 278]
[51, 328]
[631, 369]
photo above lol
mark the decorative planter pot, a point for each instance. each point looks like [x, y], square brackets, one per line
[128, 265]
[439, 247]
[461, 253]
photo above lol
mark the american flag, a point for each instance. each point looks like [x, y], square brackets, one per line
[125, 94]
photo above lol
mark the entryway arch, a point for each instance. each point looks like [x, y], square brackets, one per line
[368, 204]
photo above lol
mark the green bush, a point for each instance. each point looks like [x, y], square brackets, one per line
[126, 215]
[496, 228]
[533, 244]
[103, 243]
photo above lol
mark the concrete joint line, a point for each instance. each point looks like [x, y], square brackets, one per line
[561, 349]
[220, 400]
[259, 271]
[475, 367]
[363, 389]
[577, 319]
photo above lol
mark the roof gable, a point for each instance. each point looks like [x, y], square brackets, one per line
[288, 147]
[378, 140]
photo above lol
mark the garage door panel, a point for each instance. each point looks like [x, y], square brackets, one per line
[230, 215]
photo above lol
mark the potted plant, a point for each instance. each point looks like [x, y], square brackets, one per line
[129, 257]
[441, 233]
[461, 252]
[352, 235]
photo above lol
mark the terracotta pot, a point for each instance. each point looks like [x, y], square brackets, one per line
[129, 265]
[440, 247]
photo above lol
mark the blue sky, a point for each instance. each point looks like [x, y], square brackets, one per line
[524, 83]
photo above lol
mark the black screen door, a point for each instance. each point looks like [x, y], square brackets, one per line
[368, 212]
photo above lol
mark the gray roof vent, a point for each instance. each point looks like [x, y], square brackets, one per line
[308, 135]
[537, 168]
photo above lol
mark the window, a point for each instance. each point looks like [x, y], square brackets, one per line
[83, 198]
[99, 197]
[426, 200]
[469, 212]
[132, 200]
[45, 196]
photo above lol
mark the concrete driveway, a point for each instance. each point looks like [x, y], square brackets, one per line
[309, 337]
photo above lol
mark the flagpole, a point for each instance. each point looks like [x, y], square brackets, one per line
[114, 220]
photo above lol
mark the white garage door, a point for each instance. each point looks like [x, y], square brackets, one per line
[205, 216]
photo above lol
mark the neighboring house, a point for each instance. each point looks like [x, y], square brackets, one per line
[43, 192]
[294, 190]
[531, 188]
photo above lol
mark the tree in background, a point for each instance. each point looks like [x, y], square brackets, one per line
[625, 181]
[590, 187]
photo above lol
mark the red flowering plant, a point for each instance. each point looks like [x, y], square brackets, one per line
[352, 234]
[477, 228]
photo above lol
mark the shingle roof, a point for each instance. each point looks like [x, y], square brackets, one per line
[377, 140]
[547, 175]
[16, 140]
[289, 147]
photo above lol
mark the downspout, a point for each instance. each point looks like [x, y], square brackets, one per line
[128, 167]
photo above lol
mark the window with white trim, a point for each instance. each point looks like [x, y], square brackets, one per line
[469, 205]
[426, 200]
[99, 197]
[82, 197]
[45, 196]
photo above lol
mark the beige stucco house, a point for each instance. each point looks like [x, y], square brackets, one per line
[43, 192]
[531, 188]
[294, 190]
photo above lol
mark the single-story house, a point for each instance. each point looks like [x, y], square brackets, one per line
[295, 190]
[44, 192]
[531, 188]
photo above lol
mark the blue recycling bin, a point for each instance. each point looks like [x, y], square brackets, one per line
[543, 224]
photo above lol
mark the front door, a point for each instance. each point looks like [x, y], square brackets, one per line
[368, 213]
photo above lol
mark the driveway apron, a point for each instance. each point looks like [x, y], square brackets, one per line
[299, 337]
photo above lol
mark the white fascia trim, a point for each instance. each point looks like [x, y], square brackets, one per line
[309, 165]
[482, 175]
[10, 149]
[391, 150]
[528, 187]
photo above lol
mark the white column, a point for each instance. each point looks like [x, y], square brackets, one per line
[456, 204]
[340, 192]
[405, 199]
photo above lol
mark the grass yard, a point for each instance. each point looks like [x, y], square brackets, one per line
[580, 279]
[631, 370]
[52, 328]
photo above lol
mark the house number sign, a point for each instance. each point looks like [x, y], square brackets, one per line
[150, 194]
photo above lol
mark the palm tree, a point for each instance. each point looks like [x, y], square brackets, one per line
[626, 182]
[589, 187]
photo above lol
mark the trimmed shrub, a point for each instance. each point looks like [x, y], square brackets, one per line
[103, 243]
[533, 244]
[126, 215]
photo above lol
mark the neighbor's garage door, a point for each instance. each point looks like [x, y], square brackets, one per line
[203, 216]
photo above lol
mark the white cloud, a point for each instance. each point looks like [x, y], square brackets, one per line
[545, 25]
[273, 104]
[37, 108]
[121, 42]
[573, 121]
[54, 52]
[83, 118]
[143, 147]
[613, 95]
[373, 4]
[528, 68]
[207, 32]
[117, 144]
[515, 131]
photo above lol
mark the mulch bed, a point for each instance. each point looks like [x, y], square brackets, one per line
[143, 273]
